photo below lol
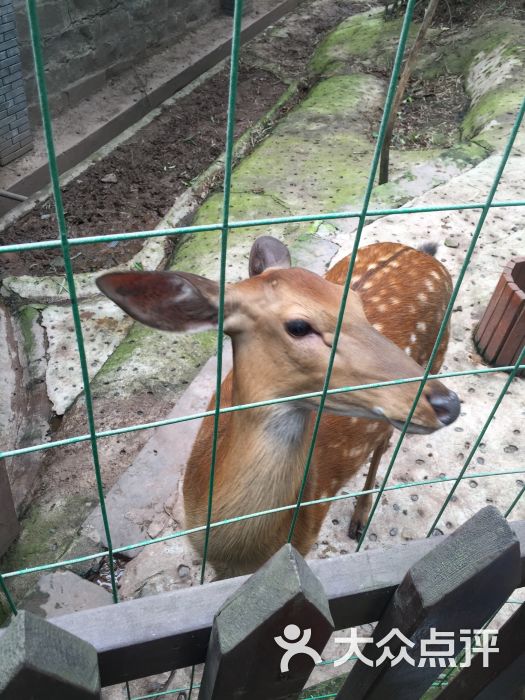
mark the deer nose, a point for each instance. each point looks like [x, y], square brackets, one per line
[446, 406]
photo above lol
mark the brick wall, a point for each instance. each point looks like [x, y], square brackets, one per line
[15, 135]
[86, 42]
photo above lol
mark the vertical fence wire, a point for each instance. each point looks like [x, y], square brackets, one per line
[478, 440]
[36, 46]
[405, 28]
[228, 160]
[8, 597]
[448, 312]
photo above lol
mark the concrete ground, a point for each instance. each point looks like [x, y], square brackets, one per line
[317, 160]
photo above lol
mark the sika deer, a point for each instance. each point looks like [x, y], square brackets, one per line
[281, 321]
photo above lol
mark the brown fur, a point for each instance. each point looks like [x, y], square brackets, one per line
[400, 289]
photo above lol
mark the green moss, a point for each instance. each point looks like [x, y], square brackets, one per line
[165, 360]
[501, 102]
[338, 95]
[46, 533]
[466, 153]
[27, 316]
[456, 56]
[361, 37]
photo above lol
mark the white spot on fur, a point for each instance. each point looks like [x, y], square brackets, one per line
[421, 326]
[378, 326]
[429, 285]
[395, 301]
[381, 308]
[422, 297]
[408, 350]
[435, 274]
[394, 263]
[375, 300]
[413, 338]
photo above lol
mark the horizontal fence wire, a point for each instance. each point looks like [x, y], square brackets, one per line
[63, 243]
[249, 223]
[259, 514]
[247, 406]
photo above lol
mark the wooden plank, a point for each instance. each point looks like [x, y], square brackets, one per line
[479, 335]
[491, 336]
[279, 610]
[9, 526]
[504, 674]
[456, 586]
[138, 638]
[514, 341]
[505, 325]
[39, 660]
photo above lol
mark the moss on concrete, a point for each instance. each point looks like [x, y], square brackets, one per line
[466, 153]
[27, 317]
[502, 102]
[364, 36]
[152, 360]
[39, 542]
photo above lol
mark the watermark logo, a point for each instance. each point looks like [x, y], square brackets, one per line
[436, 650]
[295, 644]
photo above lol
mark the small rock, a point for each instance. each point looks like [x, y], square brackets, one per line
[183, 571]
[64, 592]
[110, 178]
[451, 243]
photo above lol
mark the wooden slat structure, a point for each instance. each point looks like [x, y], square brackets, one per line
[503, 677]
[151, 635]
[243, 660]
[457, 586]
[9, 527]
[500, 335]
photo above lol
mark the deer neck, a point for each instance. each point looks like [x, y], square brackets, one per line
[267, 446]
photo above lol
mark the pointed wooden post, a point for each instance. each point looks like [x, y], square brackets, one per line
[456, 586]
[267, 637]
[9, 527]
[504, 674]
[39, 660]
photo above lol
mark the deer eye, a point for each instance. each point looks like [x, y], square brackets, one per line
[298, 328]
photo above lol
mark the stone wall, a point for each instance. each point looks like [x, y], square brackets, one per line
[86, 42]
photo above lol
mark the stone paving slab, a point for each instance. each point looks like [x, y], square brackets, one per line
[136, 504]
[63, 592]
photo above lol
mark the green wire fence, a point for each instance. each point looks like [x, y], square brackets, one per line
[64, 243]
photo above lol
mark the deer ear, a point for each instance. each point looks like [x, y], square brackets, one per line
[169, 301]
[268, 252]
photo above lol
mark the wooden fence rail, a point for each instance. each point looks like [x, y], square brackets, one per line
[9, 526]
[242, 627]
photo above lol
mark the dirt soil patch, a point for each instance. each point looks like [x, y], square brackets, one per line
[431, 113]
[134, 186]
